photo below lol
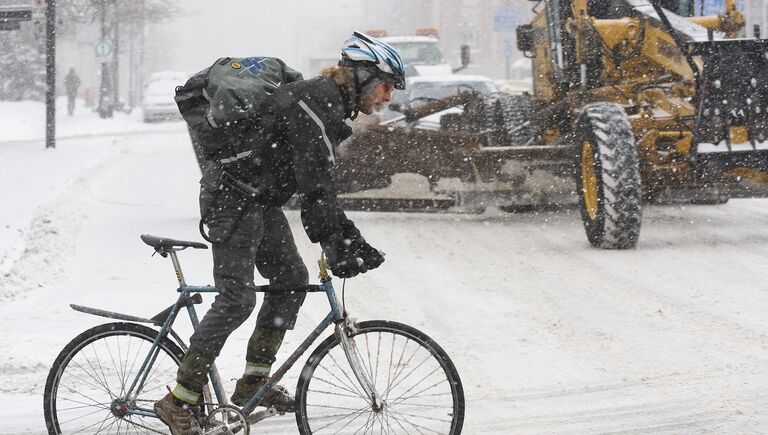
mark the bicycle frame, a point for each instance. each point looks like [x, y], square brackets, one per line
[186, 299]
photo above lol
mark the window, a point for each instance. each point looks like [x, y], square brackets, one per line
[420, 53]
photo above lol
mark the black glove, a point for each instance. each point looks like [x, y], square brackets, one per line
[341, 259]
[371, 256]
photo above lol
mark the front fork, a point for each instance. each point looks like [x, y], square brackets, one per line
[345, 331]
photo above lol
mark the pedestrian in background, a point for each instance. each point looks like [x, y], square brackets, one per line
[71, 84]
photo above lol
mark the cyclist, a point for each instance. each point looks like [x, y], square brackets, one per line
[303, 122]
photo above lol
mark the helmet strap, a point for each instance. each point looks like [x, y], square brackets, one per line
[357, 86]
[360, 86]
[350, 108]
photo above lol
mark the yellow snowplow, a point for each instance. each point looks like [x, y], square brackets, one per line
[635, 100]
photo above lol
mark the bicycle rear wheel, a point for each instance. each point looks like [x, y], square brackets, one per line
[86, 387]
[419, 386]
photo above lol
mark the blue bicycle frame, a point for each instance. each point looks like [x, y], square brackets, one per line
[188, 297]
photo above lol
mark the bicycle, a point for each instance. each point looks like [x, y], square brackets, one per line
[378, 376]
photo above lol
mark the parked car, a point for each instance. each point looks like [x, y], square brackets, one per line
[178, 76]
[158, 103]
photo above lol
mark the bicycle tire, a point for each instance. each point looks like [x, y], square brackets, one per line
[319, 411]
[83, 351]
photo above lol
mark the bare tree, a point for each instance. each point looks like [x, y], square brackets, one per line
[22, 71]
[74, 12]
[22, 65]
[123, 24]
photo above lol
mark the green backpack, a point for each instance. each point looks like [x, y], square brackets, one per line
[219, 101]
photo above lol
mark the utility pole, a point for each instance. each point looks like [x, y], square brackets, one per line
[106, 104]
[140, 69]
[50, 74]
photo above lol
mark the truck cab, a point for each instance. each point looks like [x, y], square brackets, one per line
[422, 54]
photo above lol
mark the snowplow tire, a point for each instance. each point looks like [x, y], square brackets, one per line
[513, 112]
[608, 179]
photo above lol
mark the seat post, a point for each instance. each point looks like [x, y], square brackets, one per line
[177, 268]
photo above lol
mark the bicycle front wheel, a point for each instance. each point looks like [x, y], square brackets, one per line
[418, 385]
[87, 386]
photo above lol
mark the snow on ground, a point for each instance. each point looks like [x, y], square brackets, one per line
[38, 182]
[25, 121]
[549, 335]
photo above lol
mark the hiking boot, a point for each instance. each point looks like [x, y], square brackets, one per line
[277, 397]
[181, 419]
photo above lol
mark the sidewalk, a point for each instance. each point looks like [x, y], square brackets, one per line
[25, 121]
[33, 177]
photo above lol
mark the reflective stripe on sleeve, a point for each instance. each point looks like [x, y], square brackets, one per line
[320, 124]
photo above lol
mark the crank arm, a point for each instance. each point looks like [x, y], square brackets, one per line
[261, 415]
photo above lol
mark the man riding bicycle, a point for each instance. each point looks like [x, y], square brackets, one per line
[298, 131]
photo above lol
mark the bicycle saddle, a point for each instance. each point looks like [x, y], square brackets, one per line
[164, 243]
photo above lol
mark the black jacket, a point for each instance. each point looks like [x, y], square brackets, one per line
[297, 135]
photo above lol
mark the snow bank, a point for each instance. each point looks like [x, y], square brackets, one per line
[25, 121]
[44, 188]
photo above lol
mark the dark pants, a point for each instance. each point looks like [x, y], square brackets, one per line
[71, 103]
[256, 236]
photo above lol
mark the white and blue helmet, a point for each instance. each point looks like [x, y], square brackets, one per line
[366, 51]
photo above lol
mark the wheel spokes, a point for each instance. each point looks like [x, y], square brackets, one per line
[90, 394]
[416, 393]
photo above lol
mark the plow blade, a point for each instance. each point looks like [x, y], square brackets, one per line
[514, 178]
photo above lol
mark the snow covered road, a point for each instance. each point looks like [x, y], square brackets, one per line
[549, 335]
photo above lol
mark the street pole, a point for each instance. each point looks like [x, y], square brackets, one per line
[140, 69]
[50, 74]
[131, 66]
[105, 94]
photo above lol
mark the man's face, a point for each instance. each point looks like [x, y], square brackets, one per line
[382, 93]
